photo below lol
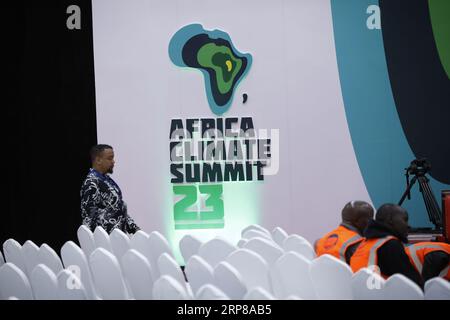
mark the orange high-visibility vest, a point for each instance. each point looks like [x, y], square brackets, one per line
[337, 242]
[366, 255]
[418, 251]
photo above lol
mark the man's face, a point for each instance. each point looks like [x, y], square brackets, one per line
[105, 161]
[400, 223]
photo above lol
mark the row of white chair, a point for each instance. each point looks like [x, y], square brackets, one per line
[267, 265]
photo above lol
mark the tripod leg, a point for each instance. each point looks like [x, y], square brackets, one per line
[407, 191]
[431, 204]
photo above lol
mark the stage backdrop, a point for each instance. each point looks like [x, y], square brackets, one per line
[327, 111]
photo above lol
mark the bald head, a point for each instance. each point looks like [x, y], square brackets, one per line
[357, 214]
[395, 218]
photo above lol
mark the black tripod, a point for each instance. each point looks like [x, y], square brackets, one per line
[419, 168]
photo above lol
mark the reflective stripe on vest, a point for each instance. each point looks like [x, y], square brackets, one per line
[345, 245]
[373, 250]
[444, 272]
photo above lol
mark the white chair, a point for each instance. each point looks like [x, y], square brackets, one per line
[189, 246]
[367, 285]
[253, 233]
[107, 275]
[255, 227]
[86, 240]
[13, 253]
[331, 278]
[300, 245]
[168, 266]
[241, 243]
[399, 287]
[120, 243]
[278, 235]
[14, 283]
[167, 288]
[76, 262]
[215, 250]
[50, 258]
[140, 242]
[290, 276]
[70, 286]
[44, 283]
[437, 289]
[229, 280]
[258, 293]
[210, 292]
[267, 249]
[198, 272]
[102, 240]
[30, 253]
[158, 246]
[138, 274]
[253, 268]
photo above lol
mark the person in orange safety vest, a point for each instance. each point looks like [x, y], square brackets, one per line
[342, 241]
[383, 245]
[431, 259]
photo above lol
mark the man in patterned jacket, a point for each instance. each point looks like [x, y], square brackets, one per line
[101, 198]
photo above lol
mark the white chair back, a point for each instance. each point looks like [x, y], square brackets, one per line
[107, 275]
[267, 249]
[290, 276]
[278, 235]
[253, 268]
[30, 253]
[215, 250]
[138, 274]
[86, 240]
[140, 242]
[367, 285]
[258, 293]
[167, 288]
[13, 253]
[102, 240]
[254, 227]
[399, 287]
[120, 243]
[189, 246]
[158, 246]
[331, 278]
[211, 292]
[300, 245]
[437, 289]
[229, 280]
[44, 283]
[70, 286]
[76, 262]
[50, 258]
[253, 233]
[168, 266]
[14, 283]
[198, 272]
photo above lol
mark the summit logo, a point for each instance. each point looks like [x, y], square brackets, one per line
[212, 53]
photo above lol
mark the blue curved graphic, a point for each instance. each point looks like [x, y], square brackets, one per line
[378, 139]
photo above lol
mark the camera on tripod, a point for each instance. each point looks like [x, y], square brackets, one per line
[419, 168]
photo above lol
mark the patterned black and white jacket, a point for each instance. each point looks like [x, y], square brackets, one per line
[102, 204]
